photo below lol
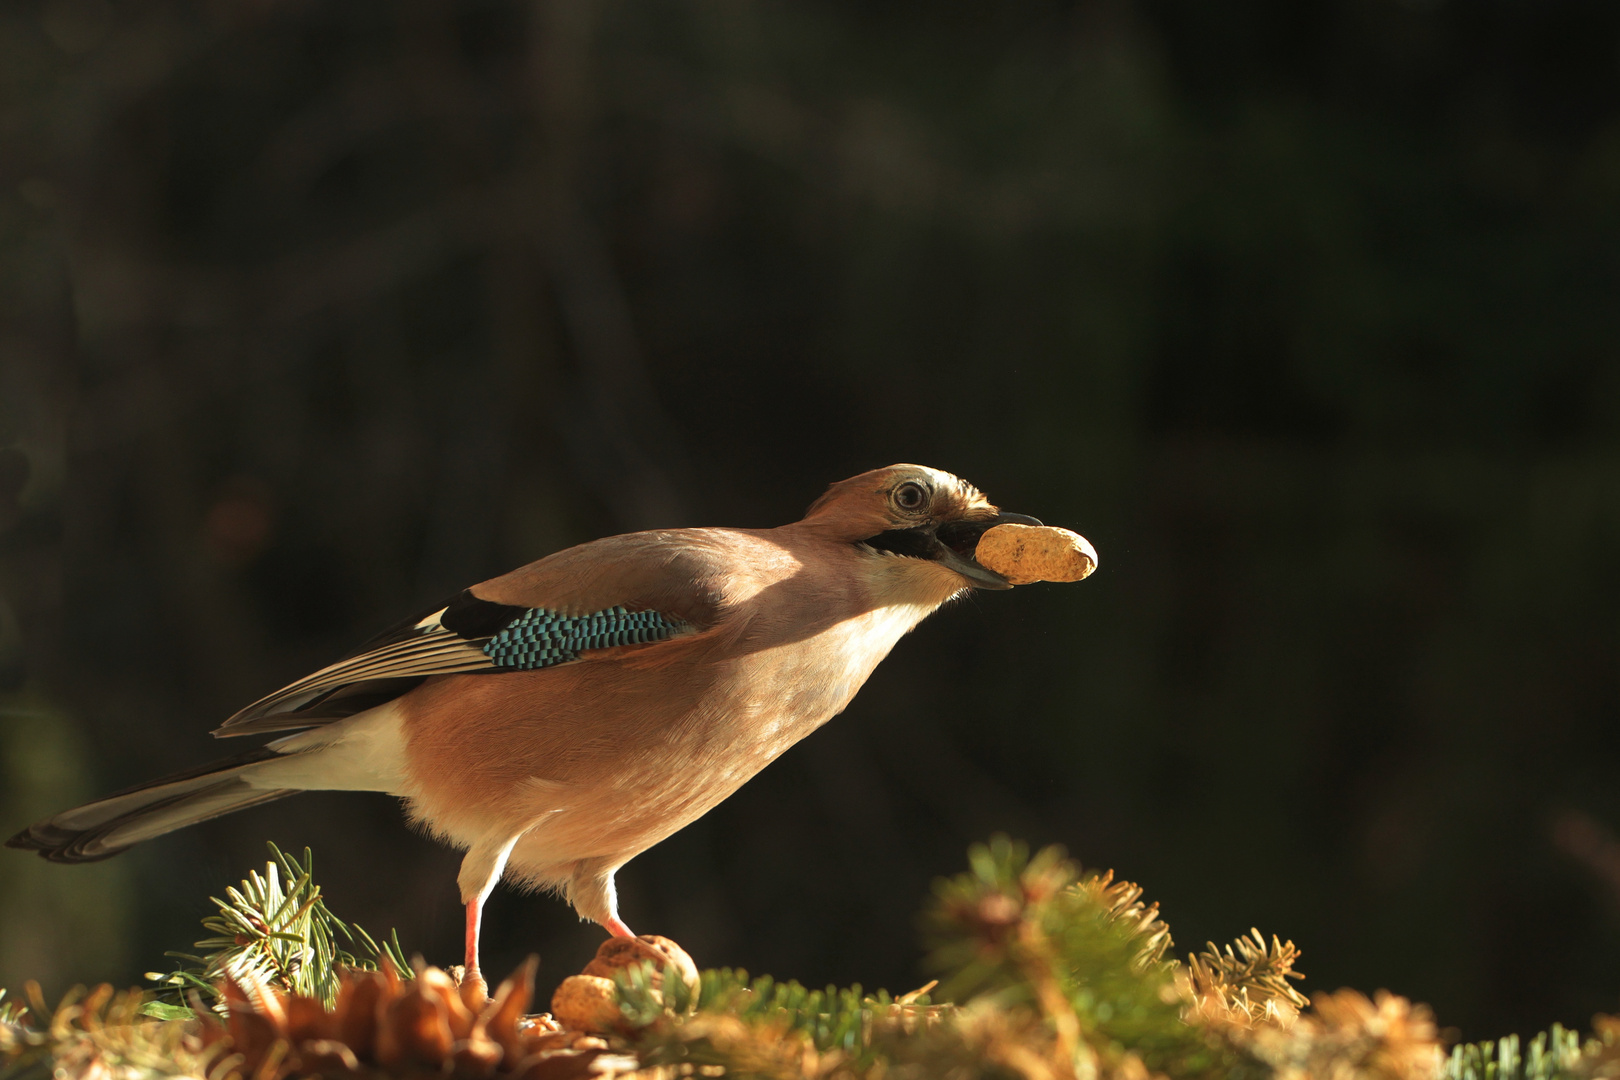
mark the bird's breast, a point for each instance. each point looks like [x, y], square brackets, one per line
[787, 691]
[621, 753]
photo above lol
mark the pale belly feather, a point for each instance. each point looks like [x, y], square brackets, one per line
[765, 702]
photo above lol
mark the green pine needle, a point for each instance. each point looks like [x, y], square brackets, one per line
[11, 1012]
[277, 930]
[1553, 1055]
[1046, 970]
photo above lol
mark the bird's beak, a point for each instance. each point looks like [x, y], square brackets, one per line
[956, 542]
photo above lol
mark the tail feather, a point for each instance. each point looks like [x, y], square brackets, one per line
[103, 828]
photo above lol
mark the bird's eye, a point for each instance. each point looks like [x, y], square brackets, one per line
[910, 496]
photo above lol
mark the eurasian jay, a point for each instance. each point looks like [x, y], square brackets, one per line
[559, 720]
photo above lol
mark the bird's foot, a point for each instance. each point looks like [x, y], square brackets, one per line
[474, 990]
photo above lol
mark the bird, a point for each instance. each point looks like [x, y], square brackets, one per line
[558, 720]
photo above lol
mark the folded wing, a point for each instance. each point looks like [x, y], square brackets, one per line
[577, 606]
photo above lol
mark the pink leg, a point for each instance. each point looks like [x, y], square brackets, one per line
[475, 911]
[617, 928]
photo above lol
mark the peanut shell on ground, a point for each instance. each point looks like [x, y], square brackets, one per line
[618, 953]
[587, 1003]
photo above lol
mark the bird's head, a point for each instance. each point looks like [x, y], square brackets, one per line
[914, 512]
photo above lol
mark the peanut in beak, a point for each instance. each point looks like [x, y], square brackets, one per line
[1026, 553]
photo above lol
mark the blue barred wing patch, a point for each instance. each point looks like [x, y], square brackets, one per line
[540, 638]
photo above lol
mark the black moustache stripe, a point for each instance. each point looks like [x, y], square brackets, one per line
[917, 543]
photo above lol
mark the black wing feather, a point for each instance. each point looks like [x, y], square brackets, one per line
[446, 638]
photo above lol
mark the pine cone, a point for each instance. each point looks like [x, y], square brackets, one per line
[404, 1027]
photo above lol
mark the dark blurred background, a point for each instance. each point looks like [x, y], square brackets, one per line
[317, 311]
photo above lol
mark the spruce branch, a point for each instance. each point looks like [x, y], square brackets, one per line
[761, 1026]
[12, 1013]
[1028, 933]
[1051, 974]
[1600, 1055]
[1556, 1054]
[1246, 983]
[274, 930]
[1347, 1034]
[1121, 902]
[99, 1033]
